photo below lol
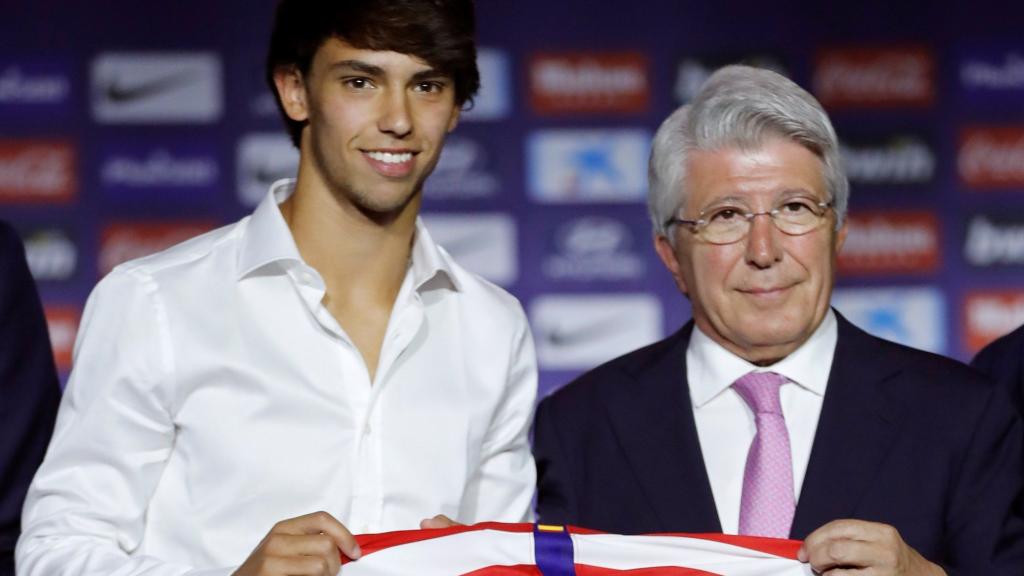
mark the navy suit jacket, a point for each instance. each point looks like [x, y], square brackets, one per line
[905, 437]
[29, 389]
[1003, 360]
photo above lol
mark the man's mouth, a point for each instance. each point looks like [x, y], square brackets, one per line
[765, 291]
[393, 164]
[391, 157]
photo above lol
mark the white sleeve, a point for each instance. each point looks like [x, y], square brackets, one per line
[85, 512]
[502, 488]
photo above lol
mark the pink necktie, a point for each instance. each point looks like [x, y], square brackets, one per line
[767, 505]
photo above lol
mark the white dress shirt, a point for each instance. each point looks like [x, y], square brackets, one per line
[725, 424]
[213, 395]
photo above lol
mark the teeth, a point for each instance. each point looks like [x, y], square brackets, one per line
[389, 158]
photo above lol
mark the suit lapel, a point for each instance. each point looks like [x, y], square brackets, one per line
[652, 417]
[855, 430]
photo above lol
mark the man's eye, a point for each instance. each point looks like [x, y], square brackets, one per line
[358, 83]
[796, 207]
[429, 87]
[724, 214]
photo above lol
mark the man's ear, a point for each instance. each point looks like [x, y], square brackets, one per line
[841, 237]
[668, 257]
[291, 89]
[455, 118]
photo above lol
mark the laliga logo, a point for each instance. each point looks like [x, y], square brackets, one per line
[160, 168]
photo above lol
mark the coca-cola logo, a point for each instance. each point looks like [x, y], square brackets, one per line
[37, 171]
[589, 83]
[891, 243]
[990, 314]
[991, 157]
[875, 77]
[124, 241]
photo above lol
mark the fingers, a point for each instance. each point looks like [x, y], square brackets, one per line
[321, 523]
[302, 546]
[295, 566]
[843, 553]
[859, 547]
[439, 521]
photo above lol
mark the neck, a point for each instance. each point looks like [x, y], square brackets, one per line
[358, 255]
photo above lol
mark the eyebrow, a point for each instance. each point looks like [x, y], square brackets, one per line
[374, 70]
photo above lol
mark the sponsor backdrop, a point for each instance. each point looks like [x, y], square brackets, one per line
[128, 126]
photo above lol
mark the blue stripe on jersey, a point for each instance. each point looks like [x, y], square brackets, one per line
[552, 548]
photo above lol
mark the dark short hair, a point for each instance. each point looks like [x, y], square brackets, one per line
[440, 32]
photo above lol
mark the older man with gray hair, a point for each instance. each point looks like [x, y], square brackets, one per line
[769, 414]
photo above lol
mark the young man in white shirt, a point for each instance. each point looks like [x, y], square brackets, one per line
[318, 369]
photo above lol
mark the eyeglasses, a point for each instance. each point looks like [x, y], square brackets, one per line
[728, 223]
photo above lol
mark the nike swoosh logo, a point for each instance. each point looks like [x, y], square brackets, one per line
[563, 337]
[119, 92]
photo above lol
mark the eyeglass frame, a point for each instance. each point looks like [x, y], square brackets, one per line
[697, 226]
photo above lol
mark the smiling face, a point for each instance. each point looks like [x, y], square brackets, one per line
[763, 296]
[376, 123]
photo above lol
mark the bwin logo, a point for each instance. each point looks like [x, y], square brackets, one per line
[903, 160]
[989, 243]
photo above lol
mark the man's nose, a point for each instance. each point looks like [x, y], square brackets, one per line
[764, 247]
[395, 116]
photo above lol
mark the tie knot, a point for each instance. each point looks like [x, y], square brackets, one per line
[760, 390]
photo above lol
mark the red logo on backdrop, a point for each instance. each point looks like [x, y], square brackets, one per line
[988, 315]
[991, 157]
[875, 77]
[125, 241]
[589, 83]
[62, 323]
[37, 171]
[891, 242]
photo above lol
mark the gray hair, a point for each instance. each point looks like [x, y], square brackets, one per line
[740, 106]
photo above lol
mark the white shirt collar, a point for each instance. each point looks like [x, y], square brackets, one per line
[715, 368]
[268, 240]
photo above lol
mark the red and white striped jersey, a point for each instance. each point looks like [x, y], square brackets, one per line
[496, 549]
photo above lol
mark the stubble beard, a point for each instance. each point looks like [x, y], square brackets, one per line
[381, 209]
